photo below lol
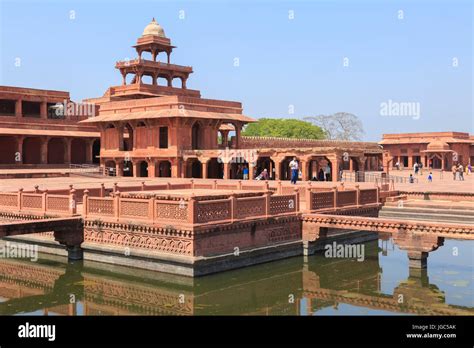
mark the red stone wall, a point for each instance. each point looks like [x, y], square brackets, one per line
[271, 142]
[226, 239]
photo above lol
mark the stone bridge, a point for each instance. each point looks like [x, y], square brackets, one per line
[418, 238]
[68, 231]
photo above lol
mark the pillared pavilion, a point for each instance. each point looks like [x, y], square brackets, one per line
[151, 126]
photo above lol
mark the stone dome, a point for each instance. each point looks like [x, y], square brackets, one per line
[437, 145]
[154, 29]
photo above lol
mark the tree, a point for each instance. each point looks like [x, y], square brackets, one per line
[283, 128]
[339, 126]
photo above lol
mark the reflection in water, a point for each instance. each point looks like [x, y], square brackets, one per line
[381, 284]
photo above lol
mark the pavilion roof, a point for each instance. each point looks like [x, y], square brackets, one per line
[166, 113]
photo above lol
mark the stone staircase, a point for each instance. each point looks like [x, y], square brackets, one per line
[440, 211]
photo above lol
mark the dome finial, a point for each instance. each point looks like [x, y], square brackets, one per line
[154, 29]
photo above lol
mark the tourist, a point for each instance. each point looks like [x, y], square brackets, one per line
[430, 177]
[411, 179]
[469, 169]
[461, 172]
[321, 175]
[327, 173]
[397, 165]
[264, 174]
[294, 170]
[420, 168]
[246, 173]
[415, 168]
[454, 170]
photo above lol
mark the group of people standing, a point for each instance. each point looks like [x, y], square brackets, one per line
[458, 171]
[418, 168]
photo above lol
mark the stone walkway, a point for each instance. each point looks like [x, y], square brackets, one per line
[441, 183]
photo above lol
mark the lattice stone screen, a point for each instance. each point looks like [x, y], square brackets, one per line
[100, 206]
[368, 196]
[171, 211]
[213, 210]
[32, 201]
[250, 207]
[8, 199]
[57, 203]
[345, 198]
[134, 208]
[322, 200]
[280, 204]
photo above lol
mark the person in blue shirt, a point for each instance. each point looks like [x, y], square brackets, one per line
[246, 173]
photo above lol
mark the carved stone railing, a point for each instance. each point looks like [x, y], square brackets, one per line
[39, 202]
[188, 210]
[336, 199]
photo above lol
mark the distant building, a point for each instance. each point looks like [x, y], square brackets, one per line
[41, 128]
[436, 150]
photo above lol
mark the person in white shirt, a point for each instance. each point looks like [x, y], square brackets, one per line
[294, 170]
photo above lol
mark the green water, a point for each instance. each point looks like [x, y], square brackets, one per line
[316, 285]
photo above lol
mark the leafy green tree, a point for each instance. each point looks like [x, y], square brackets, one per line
[284, 128]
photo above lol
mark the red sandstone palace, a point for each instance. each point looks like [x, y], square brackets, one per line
[435, 150]
[151, 127]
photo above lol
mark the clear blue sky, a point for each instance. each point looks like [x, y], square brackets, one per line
[283, 62]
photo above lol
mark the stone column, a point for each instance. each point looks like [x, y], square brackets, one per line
[44, 150]
[18, 108]
[89, 143]
[124, 78]
[44, 109]
[175, 168]
[225, 138]
[417, 259]
[67, 150]
[277, 168]
[135, 169]
[237, 136]
[361, 163]
[204, 167]
[410, 162]
[19, 149]
[119, 130]
[118, 168]
[152, 168]
[252, 170]
[226, 170]
[334, 168]
[304, 170]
